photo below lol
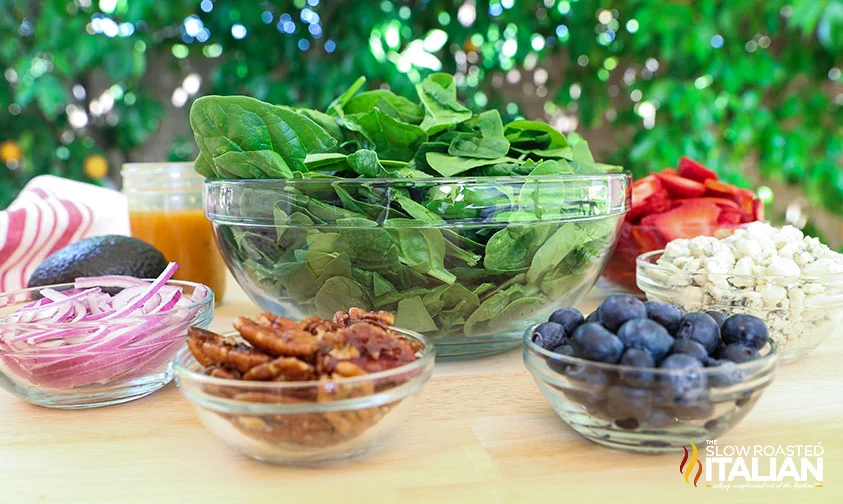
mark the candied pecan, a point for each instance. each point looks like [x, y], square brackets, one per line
[195, 338]
[267, 319]
[375, 341]
[282, 369]
[379, 318]
[216, 350]
[251, 422]
[344, 352]
[222, 372]
[278, 342]
[341, 318]
[266, 397]
[317, 326]
[348, 369]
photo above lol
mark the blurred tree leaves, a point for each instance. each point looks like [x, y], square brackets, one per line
[731, 83]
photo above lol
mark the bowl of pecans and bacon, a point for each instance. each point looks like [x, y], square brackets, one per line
[301, 392]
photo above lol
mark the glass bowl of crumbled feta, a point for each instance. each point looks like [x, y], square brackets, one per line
[791, 281]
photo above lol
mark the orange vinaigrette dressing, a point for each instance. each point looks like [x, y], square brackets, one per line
[186, 237]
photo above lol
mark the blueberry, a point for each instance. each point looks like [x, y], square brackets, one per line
[550, 335]
[660, 419]
[685, 380]
[565, 349]
[725, 374]
[717, 315]
[590, 386]
[619, 308]
[701, 328]
[666, 314]
[690, 347]
[624, 402]
[634, 357]
[738, 353]
[559, 365]
[595, 342]
[645, 334]
[745, 329]
[593, 318]
[695, 408]
[569, 318]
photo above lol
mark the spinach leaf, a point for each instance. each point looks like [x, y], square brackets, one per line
[452, 250]
[553, 251]
[327, 122]
[374, 212]
[449, 166]
[422, 249]
[487, 143]
[335, 108]
[412, 314]
[393, 139]
[366, 163]
[525, 134]
[438, 96]
[512, 248]
[419, 161]
[389, 103]
[338, 266]
[238, 124]
[551, 167]
[340, 293]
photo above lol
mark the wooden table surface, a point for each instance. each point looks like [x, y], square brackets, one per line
[481, 432]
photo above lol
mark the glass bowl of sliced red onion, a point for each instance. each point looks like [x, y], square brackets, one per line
[98, 341]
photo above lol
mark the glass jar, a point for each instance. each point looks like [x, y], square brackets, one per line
[166, 211]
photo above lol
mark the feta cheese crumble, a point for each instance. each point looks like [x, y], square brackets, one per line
[791, 281]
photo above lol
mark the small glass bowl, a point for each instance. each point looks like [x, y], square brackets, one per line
[647, 410]
[72, 378]
[801, 311]
[636, 239]
[308, 421]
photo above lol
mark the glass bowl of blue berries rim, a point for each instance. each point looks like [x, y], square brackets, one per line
[802, 311]
[640, 403]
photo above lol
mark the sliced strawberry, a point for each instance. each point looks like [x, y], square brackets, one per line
[722, 202]
[679, 187]
[669, 171]
[648, 238]
[693, 170]
[657, 203]
[731, 216]
[644, 188]
[758, 210]
[694, 218]
[720, 189]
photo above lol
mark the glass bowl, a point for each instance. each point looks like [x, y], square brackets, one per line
[636, 239]
[465, 261]
[647, 410]
[801, 311]
[307, 421]
[35, 368]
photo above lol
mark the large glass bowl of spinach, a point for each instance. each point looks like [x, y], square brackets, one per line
[467, 228]
[469, 262]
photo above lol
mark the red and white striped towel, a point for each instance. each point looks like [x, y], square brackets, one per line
[50, 213]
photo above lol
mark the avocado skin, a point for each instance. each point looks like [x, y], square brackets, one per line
[99, 255]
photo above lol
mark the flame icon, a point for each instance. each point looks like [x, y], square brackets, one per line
[687, 466]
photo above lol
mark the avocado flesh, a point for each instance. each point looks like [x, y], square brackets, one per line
[99, 255]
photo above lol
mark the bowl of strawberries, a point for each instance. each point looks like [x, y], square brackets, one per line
[685, 202]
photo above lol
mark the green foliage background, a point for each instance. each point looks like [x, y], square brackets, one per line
[770, 96]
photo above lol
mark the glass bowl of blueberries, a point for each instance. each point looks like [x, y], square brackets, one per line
[648, 377]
